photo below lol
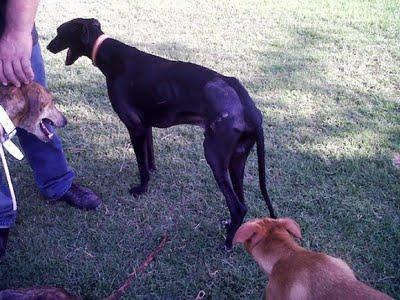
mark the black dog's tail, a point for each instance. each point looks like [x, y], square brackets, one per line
[261, 169]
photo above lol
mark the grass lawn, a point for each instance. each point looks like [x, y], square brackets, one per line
[325, 75]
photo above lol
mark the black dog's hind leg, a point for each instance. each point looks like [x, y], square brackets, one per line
[150, 150]
[139, 143]
[218, 148]
[238, 163]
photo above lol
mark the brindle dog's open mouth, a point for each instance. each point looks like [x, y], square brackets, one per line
[44, 129]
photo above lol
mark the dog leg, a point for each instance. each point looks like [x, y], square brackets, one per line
[218, 150]
[139, 143]
[150, 150]
[237, 166]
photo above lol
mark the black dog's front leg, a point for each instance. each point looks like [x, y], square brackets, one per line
[150, 150]
[140, 145]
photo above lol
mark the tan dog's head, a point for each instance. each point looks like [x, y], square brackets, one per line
[261, 235]
[31, 107]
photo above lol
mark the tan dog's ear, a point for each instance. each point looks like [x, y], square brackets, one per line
[291, 226]
[250, 230]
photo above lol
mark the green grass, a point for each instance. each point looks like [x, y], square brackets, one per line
[325, 75]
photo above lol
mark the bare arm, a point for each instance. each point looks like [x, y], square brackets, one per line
[16, 42]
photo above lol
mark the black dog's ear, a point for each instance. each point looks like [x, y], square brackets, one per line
[85, 30]
[96, 23]
[85, 34]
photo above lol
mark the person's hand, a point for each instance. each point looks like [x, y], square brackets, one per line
[15, 58]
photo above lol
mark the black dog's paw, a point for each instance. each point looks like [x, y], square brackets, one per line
[226, 224]
[137, 190]
[227, 248]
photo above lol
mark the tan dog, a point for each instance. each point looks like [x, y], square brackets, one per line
[30, 107]
[294, 272]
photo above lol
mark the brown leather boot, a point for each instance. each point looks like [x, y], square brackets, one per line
[81, 197]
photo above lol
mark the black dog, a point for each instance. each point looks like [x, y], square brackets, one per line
[149, 91]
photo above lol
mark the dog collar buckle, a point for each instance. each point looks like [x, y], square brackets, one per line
[9, 132]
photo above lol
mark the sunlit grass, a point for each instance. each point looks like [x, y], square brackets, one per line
[326, 76]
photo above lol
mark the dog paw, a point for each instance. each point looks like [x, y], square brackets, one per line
[137, 190]
[226, 224]
[227, 248]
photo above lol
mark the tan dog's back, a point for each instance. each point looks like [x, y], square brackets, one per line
[294, 272]
[311, 275]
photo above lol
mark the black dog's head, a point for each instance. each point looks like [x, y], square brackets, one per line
[78, 35]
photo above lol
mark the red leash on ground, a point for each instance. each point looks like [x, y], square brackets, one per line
[132, 276]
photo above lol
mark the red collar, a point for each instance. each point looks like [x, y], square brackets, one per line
[97, 45]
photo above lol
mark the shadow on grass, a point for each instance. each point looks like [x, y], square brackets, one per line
[346, 203]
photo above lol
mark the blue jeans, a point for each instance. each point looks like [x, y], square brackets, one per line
[52, 173]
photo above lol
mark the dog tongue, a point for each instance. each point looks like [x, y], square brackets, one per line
[45, 130]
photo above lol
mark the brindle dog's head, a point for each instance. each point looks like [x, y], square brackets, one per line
[31, 107]
[78, 35]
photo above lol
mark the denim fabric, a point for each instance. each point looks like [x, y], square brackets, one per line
[47, 160]
[7, 215]
[38, 65]
[52, 173]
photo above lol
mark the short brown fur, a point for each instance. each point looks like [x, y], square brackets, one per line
[294, 272]
[28, 105]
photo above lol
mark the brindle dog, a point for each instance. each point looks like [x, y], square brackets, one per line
[31, 107]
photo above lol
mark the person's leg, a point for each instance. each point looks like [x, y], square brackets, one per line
[7, 215]
[52, 173]
[47, 160]
[51, 184]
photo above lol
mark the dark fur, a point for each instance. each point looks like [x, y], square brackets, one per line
[149, 91]
[39, 293]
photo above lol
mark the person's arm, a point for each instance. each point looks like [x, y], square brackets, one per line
[16, 42]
